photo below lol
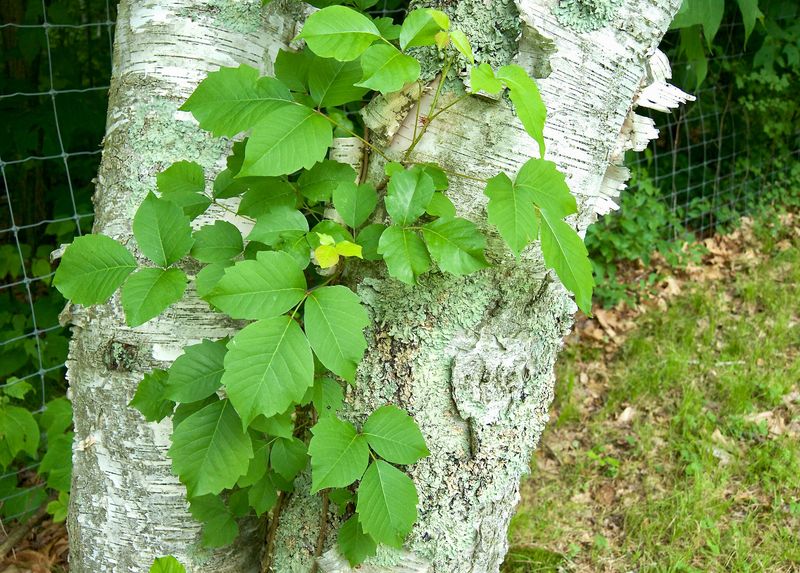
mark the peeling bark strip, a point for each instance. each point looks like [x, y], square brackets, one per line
[470, 358]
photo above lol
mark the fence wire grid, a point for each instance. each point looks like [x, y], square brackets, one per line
[56, 63]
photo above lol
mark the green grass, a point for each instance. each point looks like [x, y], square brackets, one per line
[694, 483]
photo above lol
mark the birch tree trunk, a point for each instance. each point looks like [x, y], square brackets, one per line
[470, 358]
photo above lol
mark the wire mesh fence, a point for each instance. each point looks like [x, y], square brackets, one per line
[54, 74]
[55, 67]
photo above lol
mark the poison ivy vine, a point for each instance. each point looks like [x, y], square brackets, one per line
[249, 411]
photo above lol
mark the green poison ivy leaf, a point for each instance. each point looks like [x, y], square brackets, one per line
[355, 203]
[59, 508]
[148, 292]
[387, 69]
[219, 526]
[257, 467]
[288, 457]
[265, 287]
[395, 436]
[318, 183]
[167, 565]
[339, 454]
[286, 140]
[18, 433]
[162, 231]
[57, 417]
[565, 253]
[461, 43]
[333, 82]
[456, 245]
[197, 373]
[441, 206]
[217, 243]
[388, 29]
[405, 254]
[269, 193]
[291, 68]
[408, 193]
[279, 425]
[209, 276]
[327, 396]
[354, 544]
[387, 503]
[92, 268]
[268, 367]
[527, 101]
[150, 397]
[57, 462]
[482, 78]
[334, 321]
[750, 13]
[232, 100]
[262, 495]
[275, 224]
[183, 183]
[511, 210]
[546, 186]
[210, 451]
[338, 32]
[369, 238]
[421, 26]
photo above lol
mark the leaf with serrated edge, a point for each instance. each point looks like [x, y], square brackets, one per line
[210, 451]
[263, 288]
[387, 503]
[547, 186]
[162, 231]
[456, 245]
[339, 454]
[197, 373]
[395, 436]
[338, 32]
[354, 544]
[268, 367]
[92, 268]
[387, 69]
[405, 254]
[148, 292]
[511, 210]
[335, 320]
[407, 195]
[565, 253]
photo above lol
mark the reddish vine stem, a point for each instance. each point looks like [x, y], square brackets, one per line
[266, 561]
[323, 530]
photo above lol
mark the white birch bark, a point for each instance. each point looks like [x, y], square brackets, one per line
[471, 358]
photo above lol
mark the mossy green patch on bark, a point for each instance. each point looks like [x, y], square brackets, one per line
[586, 15]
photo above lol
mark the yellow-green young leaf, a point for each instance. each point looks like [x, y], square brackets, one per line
[162, 231]
[268, 367]
[334, 321]
[265, 287]
[58, 508]
[355, 203]
[288, 457]
[217, 243]
[167, 565]
[326, 256]
[461, 43]
[442, 39]
[386, 69]
[395, 436]
[565, 253]
[92, 268]
[219, 525]
[148, 292]
[546, 185]
[338, 32]
[19, 433]
[456, 245]
[421, 26]
[150, 398]
[387, 503]
[318, 183]
[407, 195]
[286, 140]
[232, 100]
[441, 206]
[511, 210]
[210, 451]
[369, 238]
[482, 78]
[334, 83]
[349, 249]
[197, 373]
[339, 454]
[527, 101]
[354, 544]
[405, 254]
[272, 226]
